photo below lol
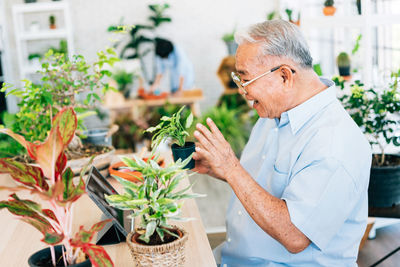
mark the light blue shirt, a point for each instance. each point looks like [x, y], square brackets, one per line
[179, 65]
[317, 160]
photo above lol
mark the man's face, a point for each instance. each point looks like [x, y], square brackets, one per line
[268, 92]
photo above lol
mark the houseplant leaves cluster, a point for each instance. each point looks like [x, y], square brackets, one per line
[54, 183]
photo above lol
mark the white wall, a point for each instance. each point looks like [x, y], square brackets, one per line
[196, 25]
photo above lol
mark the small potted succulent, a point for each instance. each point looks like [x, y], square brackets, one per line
[229, 39]
[375, 111]
[155, 201]
[52, 22]
[54, 183]
[343, 63]
[172, 127]
[329, 9]
[289, 13]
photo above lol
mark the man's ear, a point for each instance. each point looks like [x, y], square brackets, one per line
[286, 75]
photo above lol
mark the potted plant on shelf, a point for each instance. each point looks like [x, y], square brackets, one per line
[155, 201]
[124, 79]
[173, 128]
[52, 22]
[329, 9]
[343, 63]
[375, 110]
[54, 183]
[64, 82]
[289, 13]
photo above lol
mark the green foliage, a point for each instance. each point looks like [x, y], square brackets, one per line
[339, 81]
[356, 45]
[8, 146]
[128, 134]
[317, 68]
[329, 3]
[123, 79]
[53, 182]
[155, 200]
[343, 60]
[34, 55]
[374, 111]
[171, 127]
[272, 15]
[231, 124]
[158, 17]
[229, 37]
[63, 83]
[289, 14]
[52, 20]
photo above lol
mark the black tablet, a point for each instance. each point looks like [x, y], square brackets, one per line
[97, 188]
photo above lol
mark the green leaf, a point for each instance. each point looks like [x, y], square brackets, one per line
[150, 228]
[189, 121]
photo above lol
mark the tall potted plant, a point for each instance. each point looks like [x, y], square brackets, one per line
[343, 63]
[53, 182]
[229, 39]
[375, 110]
[155, 201]
[172, 127]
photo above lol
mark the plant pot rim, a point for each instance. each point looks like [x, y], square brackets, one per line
[392, 167]
[31, 263]
[187, 144]
[128, 175]
[174, 245]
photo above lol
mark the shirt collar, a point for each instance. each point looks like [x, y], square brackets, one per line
[300, 114]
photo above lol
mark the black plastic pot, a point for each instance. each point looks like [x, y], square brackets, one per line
[40, 258]
[344, 71]
[384, 186]
[183, 153]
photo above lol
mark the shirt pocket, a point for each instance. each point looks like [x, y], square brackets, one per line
[278, 182]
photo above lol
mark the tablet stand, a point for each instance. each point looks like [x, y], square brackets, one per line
[110, 235]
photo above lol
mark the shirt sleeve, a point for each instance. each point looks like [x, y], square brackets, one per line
[320, 198]
[160, 65]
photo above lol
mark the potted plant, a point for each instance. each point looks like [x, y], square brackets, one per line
[52, 22]
[358, 3]
[124, 79]
[53, 182]
[375, 110]
[329, 9]
[229, 39]
[155, 201]
[343, 63]
[172, 127]
[289, 13]
[64, 82]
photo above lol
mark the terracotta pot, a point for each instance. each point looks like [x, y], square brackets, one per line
[133, 176]
[143, 94]
[42, 256]
[329, 10]
[165, 255]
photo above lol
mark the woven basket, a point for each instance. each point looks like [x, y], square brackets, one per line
[166, 255]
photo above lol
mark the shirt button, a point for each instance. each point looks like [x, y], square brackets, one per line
[229, 240]
[239, 212]
[276, 129]
[263, 157]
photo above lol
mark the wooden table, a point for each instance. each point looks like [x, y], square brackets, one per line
[117, 104]
[20, 240]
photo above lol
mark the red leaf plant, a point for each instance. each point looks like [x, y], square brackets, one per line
[53, 182]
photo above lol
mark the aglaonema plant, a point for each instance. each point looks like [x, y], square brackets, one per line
[171, 127]
[155, 199]
[375, 111]
[53, 182]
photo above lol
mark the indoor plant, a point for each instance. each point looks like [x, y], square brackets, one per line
[289, 13]
[155, 201]
[329, 9]
[53, 182]
[173, 127]
[124, 79]
[52, 22]
[343, 63]
[64, 82]
[375, 111]
[229, 39]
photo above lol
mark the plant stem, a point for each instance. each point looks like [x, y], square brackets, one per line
[53, 255]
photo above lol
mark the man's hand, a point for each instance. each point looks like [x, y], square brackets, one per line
[213, 154]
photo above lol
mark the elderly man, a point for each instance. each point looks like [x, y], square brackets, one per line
[300, 187]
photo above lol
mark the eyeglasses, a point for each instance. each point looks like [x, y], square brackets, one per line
[238, 81]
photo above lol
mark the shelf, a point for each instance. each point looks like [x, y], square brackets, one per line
[350, 21]
[48, 34]
[39, 7]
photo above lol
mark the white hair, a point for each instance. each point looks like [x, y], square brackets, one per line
[278, 38]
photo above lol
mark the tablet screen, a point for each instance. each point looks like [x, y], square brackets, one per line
[97, 187]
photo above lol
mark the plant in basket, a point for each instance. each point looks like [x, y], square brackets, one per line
[174, 128]
[155, 201]
[376, 112]
[54, 184]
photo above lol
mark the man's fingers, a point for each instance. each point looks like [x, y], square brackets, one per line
[207, 145]
[203, 129]
[203, 153]
[215, 130]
